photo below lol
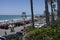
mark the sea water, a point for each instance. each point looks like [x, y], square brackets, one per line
[10, 17]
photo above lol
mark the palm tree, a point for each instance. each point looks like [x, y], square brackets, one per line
[58, 12]
[52, 8]
[31, 3]
[47, 13]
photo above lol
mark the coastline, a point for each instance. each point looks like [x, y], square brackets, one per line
[13, 20]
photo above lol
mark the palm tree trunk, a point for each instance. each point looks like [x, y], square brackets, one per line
[52, 13]
[47, 13]
[31, 3]
[58, 12]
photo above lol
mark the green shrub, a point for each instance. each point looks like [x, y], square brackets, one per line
[44, 33]
[29, 28]
[54, 24]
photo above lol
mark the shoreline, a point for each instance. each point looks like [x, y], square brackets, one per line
[14, 20]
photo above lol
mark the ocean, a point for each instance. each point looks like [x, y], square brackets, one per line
[10, 17]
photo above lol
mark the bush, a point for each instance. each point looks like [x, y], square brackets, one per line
[29, 28]
[44, 33]
[54, 24]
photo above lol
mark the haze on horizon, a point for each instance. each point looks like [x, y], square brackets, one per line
[16, 7]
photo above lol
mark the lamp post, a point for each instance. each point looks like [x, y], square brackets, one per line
[23, 17]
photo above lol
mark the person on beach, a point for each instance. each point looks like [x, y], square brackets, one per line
[5, 33]
[11, 26]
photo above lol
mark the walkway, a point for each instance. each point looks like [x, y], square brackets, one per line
[17, 29]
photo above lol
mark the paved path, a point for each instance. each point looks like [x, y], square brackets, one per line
[17, 29]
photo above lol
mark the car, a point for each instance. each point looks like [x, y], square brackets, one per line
[27, 22]
[2, 38]
[19, 34]
[18, 24]
[36, 25]
[4, 26]
[8, 36]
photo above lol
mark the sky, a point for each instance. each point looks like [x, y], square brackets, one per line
[16, 7]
